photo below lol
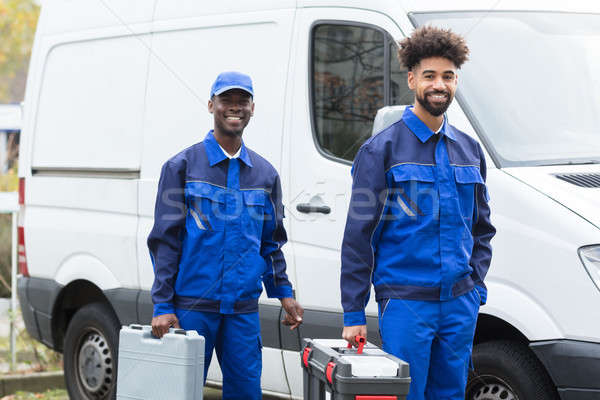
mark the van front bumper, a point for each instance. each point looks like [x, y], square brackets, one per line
[574, 367]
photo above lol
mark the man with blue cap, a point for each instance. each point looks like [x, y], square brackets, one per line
[218, 231]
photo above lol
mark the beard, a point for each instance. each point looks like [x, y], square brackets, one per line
[435, 110]
[231, 132]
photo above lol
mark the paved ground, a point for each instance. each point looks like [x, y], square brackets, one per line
[209, 394]
[215, 394]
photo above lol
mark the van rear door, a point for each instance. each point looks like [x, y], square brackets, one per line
[81, 215]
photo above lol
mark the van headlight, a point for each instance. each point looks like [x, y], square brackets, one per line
[590, 256]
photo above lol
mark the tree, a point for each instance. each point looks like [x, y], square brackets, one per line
[18, 20]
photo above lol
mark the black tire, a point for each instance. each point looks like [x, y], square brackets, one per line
[90, 353]
[506, 370]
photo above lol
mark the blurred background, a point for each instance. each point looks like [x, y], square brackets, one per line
[18, 20]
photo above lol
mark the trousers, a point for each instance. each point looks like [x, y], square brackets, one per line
[435, 338]
[236, 341]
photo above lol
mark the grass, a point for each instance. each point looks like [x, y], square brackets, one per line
[5, 253]
[61, 394]
[47, 395]
[32, 356]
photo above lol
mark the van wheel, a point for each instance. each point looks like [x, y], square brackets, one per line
[90, 353]
[506, 370]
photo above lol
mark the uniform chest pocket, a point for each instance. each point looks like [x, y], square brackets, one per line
[467, 178]
[206, 207]
[413, 191]
[254, 210]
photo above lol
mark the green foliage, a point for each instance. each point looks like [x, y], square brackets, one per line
[9, 182]
[18, 19]
[47, 395]
[5, 253]
[32, 356]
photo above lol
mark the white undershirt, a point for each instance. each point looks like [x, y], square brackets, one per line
[236, 155]
[441, 126]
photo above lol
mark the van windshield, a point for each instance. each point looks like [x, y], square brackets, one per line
[531, 86]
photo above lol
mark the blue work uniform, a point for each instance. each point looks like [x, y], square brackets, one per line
[217, 236]
[419, 230]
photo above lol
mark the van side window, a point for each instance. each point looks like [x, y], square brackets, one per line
[355, 72]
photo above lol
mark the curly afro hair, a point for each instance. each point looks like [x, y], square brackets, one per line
[429, 41]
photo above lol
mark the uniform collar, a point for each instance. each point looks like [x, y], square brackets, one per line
[215, 154]
[421, 130]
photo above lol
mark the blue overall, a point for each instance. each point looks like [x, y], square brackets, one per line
[237, 344]
[419, 230]
[217, 237]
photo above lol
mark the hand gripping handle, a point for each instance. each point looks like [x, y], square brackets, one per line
[361, 340]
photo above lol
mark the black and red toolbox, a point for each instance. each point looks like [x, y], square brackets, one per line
[333, 370]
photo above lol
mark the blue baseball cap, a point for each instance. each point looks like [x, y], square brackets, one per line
[231, 80]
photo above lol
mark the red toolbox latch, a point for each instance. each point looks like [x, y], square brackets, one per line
[329, 371]
[306, 356]
[361, 340]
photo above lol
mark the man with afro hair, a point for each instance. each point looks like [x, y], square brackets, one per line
[419, 228]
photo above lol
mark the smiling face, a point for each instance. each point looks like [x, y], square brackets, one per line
[434, 82]
[232, 111]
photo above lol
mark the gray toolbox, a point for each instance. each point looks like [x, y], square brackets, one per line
[150, 368]
[332, 370]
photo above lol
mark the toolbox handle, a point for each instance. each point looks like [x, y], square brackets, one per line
[329, 371]
[149, 337]
[361, 340]
[175, 331]
[306, 355]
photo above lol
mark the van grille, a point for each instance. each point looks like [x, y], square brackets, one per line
[582, 180]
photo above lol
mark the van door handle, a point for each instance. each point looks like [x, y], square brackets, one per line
[309, 208]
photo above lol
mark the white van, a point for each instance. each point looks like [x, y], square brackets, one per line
[115, 88]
